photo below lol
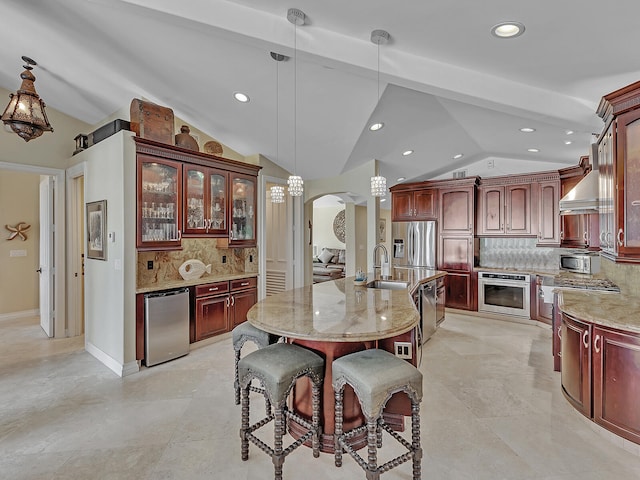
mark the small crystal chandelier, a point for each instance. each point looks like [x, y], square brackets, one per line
[25, 113]
[277, 194]
[297, 17]
[378, 186]
[378, 182]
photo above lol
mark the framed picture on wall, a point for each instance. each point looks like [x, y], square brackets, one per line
[382, 230]
[97, 230]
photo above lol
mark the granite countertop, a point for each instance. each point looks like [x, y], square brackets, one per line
[340, 311]
[608, 309]
[171, 284]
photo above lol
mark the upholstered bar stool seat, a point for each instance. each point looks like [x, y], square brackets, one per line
[375, 376]
[240, 335]
[277, 367]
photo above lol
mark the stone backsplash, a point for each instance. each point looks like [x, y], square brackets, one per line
[626, 276]
[166, 263]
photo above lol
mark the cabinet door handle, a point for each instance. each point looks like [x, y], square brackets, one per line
[233, 300]
[561, 234]
[213, 289]
[586, 237]
[635, 203]
[179, 234]
[585, 342]
[560, 332]
[595, 344]
[228, 302]
[602, 235]
[608, 237]
[620, 235]
[244, 284]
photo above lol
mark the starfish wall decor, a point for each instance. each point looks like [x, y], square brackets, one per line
[18, 231]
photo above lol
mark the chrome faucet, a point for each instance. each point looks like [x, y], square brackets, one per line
[385, 260]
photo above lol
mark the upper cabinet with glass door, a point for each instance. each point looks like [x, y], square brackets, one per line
[159, 197]
[242, 231]
[205, 201]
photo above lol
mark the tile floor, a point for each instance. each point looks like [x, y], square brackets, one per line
[492, 410]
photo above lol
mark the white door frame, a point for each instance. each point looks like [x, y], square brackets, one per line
[46, 265]
[59, 258]
[75, 315]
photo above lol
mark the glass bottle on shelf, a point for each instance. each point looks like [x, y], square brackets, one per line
[218, 204]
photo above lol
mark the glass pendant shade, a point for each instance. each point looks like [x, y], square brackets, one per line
[378, 186]
[295, 185]
[277, 194]
[25, 114]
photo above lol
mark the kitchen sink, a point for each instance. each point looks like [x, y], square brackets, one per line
[388, 284]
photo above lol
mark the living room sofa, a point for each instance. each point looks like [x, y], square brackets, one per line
[329, 265]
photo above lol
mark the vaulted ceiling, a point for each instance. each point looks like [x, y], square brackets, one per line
[444, 85]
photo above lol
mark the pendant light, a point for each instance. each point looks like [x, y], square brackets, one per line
[378, 182]
[25, 113]
[297, 17]
[277, 191]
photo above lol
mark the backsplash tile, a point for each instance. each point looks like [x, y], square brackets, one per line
[166, 263]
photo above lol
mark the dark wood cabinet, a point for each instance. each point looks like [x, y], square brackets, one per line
[413, 205]
[159, 203]
[457, 210]
[461, 290]
[619, 146]
[548, 198]
[221, 306]
[205, 201]
[504, 209]
[576, 363]
[543, 310]
[192, 193]
[616, 382]
[491, 208]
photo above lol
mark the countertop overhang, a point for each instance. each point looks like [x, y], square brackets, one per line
[607, 309]
[172, 284]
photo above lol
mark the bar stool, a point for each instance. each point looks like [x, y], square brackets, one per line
[375, 376]
[240, 335]
[277, 367]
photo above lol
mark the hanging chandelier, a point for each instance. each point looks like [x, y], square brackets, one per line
[277, 194]
[378, 182]
[295, 182]
[25, 113]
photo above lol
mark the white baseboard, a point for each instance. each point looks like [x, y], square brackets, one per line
[118, 368]
[16, 315]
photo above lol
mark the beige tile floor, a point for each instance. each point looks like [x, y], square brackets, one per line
[492, 410]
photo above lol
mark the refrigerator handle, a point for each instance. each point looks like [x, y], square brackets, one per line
[410, 250]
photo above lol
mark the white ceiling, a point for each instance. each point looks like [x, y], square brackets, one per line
[447, 85]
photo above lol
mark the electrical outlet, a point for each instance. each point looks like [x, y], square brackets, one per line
[149, 264]
[403, 350]
[490, 164]
[224, 259]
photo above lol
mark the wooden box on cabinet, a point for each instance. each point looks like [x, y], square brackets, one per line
[151, 121]
[576, 363]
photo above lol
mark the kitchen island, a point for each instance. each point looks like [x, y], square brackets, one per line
[336, 318]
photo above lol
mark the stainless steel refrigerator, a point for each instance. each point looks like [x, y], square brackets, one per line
[414, 244]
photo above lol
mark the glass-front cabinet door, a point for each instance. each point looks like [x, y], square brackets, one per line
[204, 201]
[159, 197]
[242, 230]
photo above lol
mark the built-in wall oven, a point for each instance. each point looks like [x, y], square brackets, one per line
[506, 293]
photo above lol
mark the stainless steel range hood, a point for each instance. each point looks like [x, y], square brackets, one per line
[584, 197]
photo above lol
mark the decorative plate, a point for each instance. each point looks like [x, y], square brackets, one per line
[339, 226]
[213, 147]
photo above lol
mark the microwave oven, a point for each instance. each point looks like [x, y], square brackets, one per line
[580, 262]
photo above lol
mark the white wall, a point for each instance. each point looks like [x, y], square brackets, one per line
[110, 285]
[504, 166]
[323, 235]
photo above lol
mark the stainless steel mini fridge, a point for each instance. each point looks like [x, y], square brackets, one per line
[166, 325]
[414, 244]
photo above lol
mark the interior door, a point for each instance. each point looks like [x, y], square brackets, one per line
[46, 267]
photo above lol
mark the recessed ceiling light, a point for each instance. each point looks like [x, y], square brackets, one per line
[401, 179]
[533, 150]
[407, 152]
[568, 142]
[376, 126]
[507, 30]
[569, 132]
[241, 97]
[383, 200]
[458, 155]
[527, 129]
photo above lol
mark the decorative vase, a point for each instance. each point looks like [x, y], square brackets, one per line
[185, 140]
